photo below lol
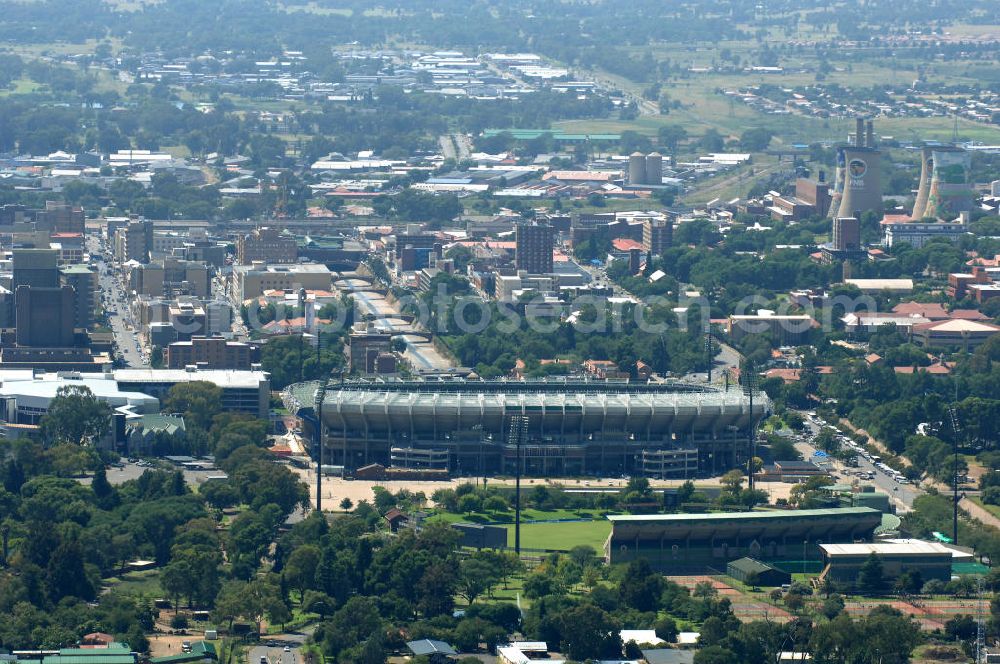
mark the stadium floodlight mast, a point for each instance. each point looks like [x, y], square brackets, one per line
[748, 381]
[318, 409]
[517, 433]
[956, 429]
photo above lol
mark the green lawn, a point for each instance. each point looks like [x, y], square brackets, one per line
[145, 583]
[562, 536]
[527, 514]
[553, 536]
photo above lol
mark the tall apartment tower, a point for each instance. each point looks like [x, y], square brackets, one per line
[860, 167]
[134, 241]
[533, 253]
[657, 235]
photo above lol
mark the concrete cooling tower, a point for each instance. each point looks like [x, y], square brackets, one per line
[862, 176]
[949, 192]
[923, 189]
[637, 168]
[837, 192]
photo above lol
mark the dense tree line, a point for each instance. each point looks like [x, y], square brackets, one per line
[491, 337]
[67, 537]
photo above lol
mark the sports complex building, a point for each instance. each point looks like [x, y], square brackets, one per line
[564, 426]
[699, 542]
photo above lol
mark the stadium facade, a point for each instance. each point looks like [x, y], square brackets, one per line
[565, 427]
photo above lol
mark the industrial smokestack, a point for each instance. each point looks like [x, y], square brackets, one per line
[870, 135]
[859, 133]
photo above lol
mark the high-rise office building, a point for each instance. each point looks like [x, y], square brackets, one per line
[45, 316]
[846, 234]
[268, 245]
[533, 252]
[83, 281]
[35, 267]
[208, 353]
[60, 218]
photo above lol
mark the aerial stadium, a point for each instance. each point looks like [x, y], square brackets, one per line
[562, 426]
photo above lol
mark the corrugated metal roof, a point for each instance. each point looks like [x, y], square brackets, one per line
[99, 656]
[744, 516]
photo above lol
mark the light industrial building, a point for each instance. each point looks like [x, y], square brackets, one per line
[573, 427]
[932, 560]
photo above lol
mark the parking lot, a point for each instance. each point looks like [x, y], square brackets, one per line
[131, 471]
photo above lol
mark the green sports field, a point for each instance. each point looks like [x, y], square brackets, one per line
[558, 536]
[562, 536]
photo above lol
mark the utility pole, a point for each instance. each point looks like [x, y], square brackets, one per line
[518, 430]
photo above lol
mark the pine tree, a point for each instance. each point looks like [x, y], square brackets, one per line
[870, 577]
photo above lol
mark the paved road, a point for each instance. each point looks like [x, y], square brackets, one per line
[132, 471]
[264, 654]
[902, 495]
[422, 355]
[455, 146]
[112, 293]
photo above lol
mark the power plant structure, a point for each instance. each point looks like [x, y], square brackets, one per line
[858, 175]
[945, 190]
[645, 169]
